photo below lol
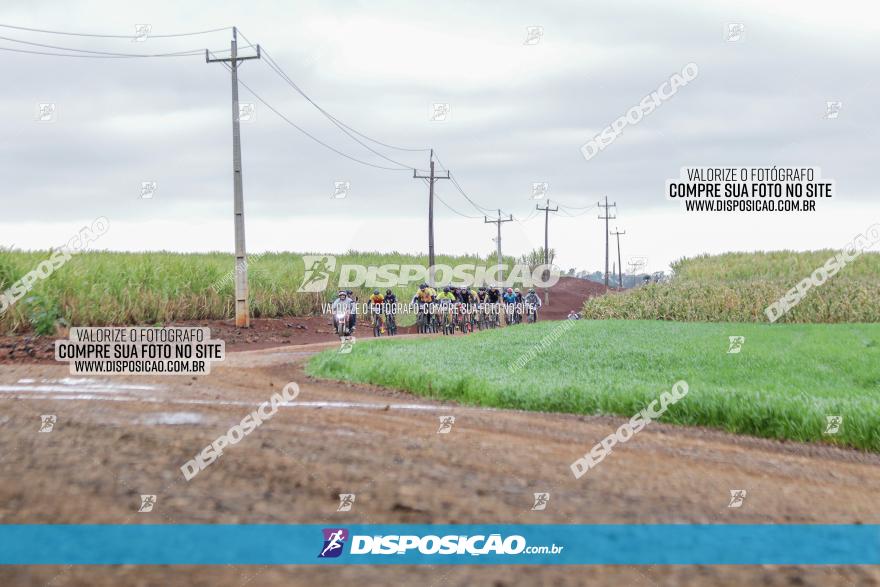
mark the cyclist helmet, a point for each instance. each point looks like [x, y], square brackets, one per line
[446, 289]
[375, 292]
[341, 294]
[423, 286]
[348, 292]
[388, 292]
[509, 290]
[531, 290]
[516, 290]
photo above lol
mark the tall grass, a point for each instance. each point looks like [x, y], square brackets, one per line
[104, 288]
[737, 287]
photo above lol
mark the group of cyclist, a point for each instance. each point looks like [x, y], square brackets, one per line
[448, 309]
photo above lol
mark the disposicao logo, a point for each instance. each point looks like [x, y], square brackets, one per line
[334, 541]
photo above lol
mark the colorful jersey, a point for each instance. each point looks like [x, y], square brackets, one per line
[426, 295]
[446, 295]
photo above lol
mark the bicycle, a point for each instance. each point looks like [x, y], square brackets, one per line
[391, 323]
[423, 320]
[378, 323]
[448, 324]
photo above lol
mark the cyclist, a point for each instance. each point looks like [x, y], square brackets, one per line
[376, 306]
[353, 298]
[390, 300]
[390, 310]
[426, 294]
[518, 310]
[532, 302]
[509, 299]
[424, 298]
[446, 299]
[473, 305]
[343, 303]
[446, 295]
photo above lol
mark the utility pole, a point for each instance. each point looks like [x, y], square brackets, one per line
[431, 179]
[547, 209]
[498, 239]
[242, 315]
[606, 218]
[619, 265]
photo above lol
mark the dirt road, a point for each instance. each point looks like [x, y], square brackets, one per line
[567, 295]
[116, 438]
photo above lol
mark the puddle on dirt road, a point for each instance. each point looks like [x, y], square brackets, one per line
[90, 389]
[216, 402]
[172, 418]
[72, 385]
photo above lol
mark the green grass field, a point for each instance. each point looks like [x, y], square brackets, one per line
[784, 382]
[737, 287]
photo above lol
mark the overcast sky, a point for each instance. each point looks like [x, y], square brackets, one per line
[519, 113]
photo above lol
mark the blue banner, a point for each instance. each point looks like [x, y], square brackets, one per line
[480, 544]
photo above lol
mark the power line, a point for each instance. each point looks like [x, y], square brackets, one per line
[466, 197]
[577, 207]
[451, 209]
[278, 71]
[460, 189]
[532, 215]
[572, 215]
[271, 63]
[348, 130]
[481, 209]
[21, 28]
[94, 53]
[74, 55]
[310, 135]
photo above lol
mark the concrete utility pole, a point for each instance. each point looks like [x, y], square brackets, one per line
[606, 218]
[242, 315]
[486, 220]
[619, 265]
[431, 179]
[547, 209]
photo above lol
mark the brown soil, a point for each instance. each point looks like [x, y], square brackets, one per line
[569, 294]
[103, 454]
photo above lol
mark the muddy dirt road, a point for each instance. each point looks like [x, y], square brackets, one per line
[26, 347]
[115, 438]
